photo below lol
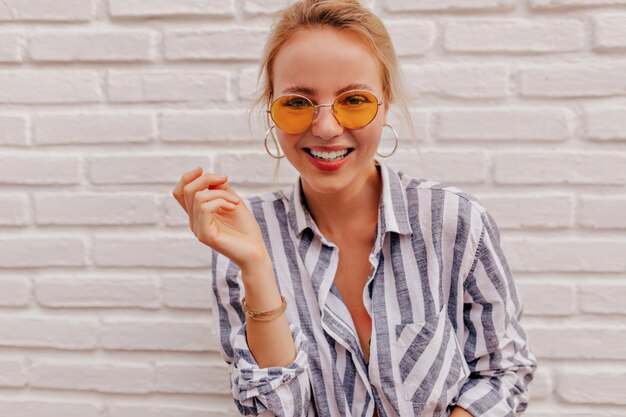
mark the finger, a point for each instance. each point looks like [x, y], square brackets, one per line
[205, 196]
[208, 195]
[200, 183]
[226, 187]
[204, 228]
[187, 177]
[213, 205]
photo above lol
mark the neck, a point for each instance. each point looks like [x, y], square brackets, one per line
[355, 208]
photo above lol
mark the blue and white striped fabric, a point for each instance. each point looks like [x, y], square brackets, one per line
[445, 312]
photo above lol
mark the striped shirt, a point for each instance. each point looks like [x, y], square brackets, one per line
[445, 312]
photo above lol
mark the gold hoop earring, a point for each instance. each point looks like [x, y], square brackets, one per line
[275, 144]
[396, 143]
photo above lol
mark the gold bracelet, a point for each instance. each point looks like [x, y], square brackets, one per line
[264, 315]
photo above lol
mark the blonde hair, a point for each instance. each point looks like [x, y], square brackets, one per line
[348, 15]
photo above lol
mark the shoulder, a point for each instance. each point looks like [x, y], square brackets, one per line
[269, 205]
[445, 207]
[439, 193]
[267, 198]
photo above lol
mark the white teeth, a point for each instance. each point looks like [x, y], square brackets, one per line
[329, 155]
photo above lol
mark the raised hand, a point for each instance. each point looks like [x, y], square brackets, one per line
[219, 218]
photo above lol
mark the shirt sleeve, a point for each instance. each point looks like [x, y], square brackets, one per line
[495, 344]
[274, 391]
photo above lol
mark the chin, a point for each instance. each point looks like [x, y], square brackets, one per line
[324, 185]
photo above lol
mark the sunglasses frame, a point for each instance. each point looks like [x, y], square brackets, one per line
[317, 106]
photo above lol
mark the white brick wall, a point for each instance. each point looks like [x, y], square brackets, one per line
[104, 291]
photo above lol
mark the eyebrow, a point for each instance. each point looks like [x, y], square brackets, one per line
[311, 91]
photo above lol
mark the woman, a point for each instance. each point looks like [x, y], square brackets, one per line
[360, 291]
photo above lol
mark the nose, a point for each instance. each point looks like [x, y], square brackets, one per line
[325, 125]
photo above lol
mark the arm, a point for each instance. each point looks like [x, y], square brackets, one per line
[276, 389]
[495, 347]
[276, 384]
[270, 342]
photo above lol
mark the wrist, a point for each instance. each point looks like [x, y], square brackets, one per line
[253, 265]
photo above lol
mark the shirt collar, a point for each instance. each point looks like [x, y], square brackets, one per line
[393, 213]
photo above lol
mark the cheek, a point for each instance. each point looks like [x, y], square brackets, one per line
[287, 141]
[369, 136]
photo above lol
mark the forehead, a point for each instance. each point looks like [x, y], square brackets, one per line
[325, 60]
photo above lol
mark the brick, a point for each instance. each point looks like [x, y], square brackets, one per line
[142, 411]
[54, 129]
[453, 167]
[580, 341]
[168, 8]
[92, 46]
[574, 80]
[548, 299]
[14, 209]
[41, 252]
[560, 168]
[101, 208]
[155, 251]
[602, 298]
[602, 212]
[186, 292]
[109, 377]
[13, 130]
[235, 43]
[192, 378]
[10, 49]
[49, 86]
[34, 408]
[167, 86]
[569, 4]
[514, 35]
[187, 336]
[39, 169]
[173, 212]
[263, 7]
[41, 10]
[14, 292]
[521, 211]
[566, 255]
[573, 386]
[609, 32]
[457, 80]
[248, 167]
[48, 332]
[517, 123]
[542, 385]
[411, 37]
[206, 126]
[96, 292]
[143, 169]
[12, 373]
[446, 5]
[247, 83]
[421, 123]
[605, 123]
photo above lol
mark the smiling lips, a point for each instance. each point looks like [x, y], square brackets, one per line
[334, 153]
[329, 159]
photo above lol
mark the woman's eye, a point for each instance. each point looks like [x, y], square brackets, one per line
[355, 100]
[297, 103]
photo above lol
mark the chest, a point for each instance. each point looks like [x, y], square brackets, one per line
[352, 274]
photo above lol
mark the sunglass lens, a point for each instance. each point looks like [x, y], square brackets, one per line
[292, 114]
[355, 109]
